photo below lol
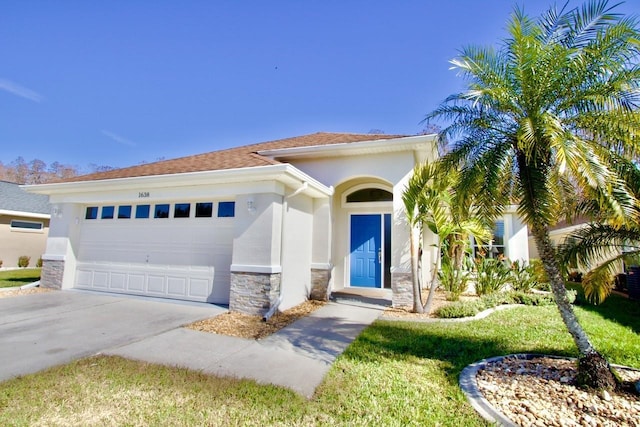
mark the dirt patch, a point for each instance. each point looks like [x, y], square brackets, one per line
[246, 326]
[16, 292]
[439, 300]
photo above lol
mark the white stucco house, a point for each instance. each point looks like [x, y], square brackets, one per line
[253, 226]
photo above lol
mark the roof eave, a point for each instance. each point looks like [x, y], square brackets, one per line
[353, 148]
[285, 173]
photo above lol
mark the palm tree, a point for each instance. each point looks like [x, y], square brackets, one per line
[430, 201]
[600, 248]
[552, 110]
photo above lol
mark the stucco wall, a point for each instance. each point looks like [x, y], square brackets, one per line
[296, 250]
[15, 242]
[517, 238]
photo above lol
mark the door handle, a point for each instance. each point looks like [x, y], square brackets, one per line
[380, 256]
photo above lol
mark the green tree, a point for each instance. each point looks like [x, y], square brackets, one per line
[431, 202]
[551, 110]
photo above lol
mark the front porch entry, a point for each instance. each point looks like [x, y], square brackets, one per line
[370, 250]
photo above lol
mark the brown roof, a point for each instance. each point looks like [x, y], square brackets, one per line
[239, 157]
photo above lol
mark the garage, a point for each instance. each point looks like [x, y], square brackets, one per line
[170, 250]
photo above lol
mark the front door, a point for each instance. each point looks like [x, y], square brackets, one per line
[366, 251]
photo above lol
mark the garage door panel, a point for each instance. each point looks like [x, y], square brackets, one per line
[136, 283]
[177, 286]
[101, 279]
[117, 281]
[155, 284]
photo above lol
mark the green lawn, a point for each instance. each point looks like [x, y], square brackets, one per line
[393, 374]
[23, 276]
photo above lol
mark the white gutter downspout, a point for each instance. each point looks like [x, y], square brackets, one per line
[275, 304]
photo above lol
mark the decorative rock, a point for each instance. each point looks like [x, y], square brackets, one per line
[540, 391]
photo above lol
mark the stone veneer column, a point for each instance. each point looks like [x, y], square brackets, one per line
[253, 293]
[52, 272]
[320, 284]
[402, 290]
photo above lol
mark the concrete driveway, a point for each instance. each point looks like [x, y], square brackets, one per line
[47, 329]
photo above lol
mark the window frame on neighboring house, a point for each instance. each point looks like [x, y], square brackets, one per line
[19, 229]
[491, 249]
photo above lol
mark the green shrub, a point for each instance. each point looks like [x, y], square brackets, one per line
[0, 263]
[39, 263]
[454, 281]
[459, 309]
[531, 299]
[23, 261]
[492, 276]
[523, 277]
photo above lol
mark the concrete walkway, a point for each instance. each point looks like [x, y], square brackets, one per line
[43, 330]
[297, 357]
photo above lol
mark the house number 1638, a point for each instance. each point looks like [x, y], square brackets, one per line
[143, 194]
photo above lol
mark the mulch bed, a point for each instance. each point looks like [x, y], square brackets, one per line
[253, 327]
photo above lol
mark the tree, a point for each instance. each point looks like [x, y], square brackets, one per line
[552, 109]
[430, 201]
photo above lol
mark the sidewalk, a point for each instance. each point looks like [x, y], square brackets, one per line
[297, 357]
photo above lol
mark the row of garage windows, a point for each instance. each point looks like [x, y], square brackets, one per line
[161, 210]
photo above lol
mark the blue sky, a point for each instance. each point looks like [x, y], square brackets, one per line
[120, 82]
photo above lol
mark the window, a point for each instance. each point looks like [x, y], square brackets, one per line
[161, 211]
[107, 212]
[91, 213]
[204, 210]
[182, 210]
[226, 209]
[124, 212]
[495, 247]
[142, 211]
[370, 195]
[26, 225]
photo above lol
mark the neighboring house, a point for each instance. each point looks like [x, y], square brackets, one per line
[250, 226]
[24, 224]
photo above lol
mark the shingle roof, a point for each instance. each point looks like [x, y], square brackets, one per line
[239, 157]
[13, 198]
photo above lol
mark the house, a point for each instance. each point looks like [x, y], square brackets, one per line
[24, 224]
[254, 226]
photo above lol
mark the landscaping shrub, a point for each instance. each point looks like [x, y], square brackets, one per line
[523, 277]
[471, 308]
[492, 276]
[460, 309]
[453, 281]
[23, 261]
[0, 263]
[39, 263]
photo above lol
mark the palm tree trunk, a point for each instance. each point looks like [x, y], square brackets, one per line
[433, 285]
[593, 369]
[417, 292]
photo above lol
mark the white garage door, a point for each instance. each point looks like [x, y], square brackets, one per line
[180, 258]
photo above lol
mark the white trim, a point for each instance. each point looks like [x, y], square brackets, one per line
[283, 173]
[353, 148]
[14, 229]
[52, 257]
[244, 268]
[321, 266]
[25, 214]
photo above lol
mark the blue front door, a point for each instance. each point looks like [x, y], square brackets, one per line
[366, 246]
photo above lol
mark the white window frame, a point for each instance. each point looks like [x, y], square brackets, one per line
[26, 230]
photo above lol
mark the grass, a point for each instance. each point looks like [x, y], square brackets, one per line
[23, 276]
[395, 373]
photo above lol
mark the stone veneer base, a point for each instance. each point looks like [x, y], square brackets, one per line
[320, 279]
[52, 273]
[402, 290]
[253, 293]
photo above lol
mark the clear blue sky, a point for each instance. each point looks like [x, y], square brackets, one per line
[120, 82]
